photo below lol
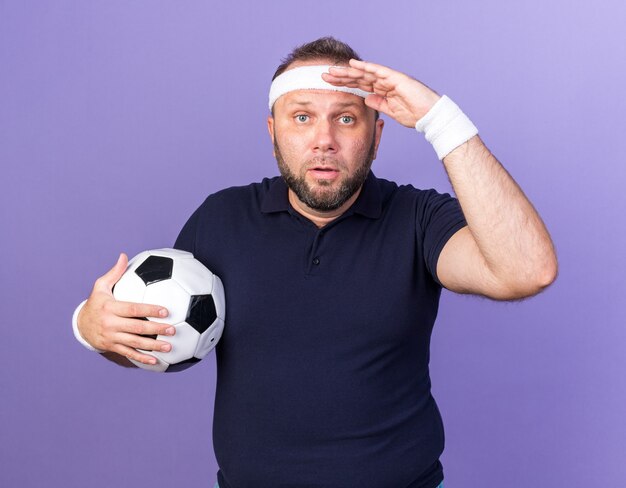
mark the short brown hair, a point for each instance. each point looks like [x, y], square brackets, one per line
[327, 48]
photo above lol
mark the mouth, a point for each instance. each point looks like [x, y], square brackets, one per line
[324, 172]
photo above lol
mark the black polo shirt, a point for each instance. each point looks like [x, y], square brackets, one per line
[323, 365]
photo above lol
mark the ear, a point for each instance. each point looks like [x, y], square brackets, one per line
[378, 132]
[270, 129]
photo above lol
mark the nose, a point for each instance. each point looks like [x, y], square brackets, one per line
[324, 137]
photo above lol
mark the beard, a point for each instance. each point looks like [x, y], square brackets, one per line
[325, 197]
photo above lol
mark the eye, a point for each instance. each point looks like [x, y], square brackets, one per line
[302, 118]
[346, 119]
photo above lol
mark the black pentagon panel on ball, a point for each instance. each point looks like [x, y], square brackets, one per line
[201, 313]
[155, 269]
[172, 368]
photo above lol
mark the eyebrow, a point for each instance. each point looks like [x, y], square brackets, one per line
[337, 105]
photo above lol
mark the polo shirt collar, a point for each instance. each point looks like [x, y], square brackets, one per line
[368, 203]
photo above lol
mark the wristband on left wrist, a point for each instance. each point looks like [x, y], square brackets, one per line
[446, 127]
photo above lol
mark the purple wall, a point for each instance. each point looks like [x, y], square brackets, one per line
[118, 117]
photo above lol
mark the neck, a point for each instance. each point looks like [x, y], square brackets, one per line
[319, 217]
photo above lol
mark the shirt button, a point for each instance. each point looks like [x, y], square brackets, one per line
[316, 261]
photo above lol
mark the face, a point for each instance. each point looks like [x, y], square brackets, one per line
[324, 143]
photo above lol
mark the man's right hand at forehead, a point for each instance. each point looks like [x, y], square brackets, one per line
[118, 327]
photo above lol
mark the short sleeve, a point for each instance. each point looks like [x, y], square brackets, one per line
[439, 217]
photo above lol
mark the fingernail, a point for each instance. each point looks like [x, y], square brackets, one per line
[165, 347]
[163, 313]
[170, 331]
[152, 361]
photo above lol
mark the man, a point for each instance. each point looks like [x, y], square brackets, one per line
[333, 278]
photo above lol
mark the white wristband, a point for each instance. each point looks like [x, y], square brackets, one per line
[446, 127]
[80, 338]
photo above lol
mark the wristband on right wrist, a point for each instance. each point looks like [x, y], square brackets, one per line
[446, 127]
[80, 338]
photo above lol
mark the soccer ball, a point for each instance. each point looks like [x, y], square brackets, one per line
[192, 294]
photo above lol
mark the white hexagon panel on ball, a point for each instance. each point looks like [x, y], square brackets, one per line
[170, 295]
[193, 276]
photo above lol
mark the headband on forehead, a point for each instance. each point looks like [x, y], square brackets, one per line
[306, 78]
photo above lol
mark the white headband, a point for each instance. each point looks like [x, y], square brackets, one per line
[306, 78]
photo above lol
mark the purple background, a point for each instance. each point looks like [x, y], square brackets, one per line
[118, 117]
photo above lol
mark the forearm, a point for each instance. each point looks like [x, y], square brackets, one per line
[508, 232]
[507, 252]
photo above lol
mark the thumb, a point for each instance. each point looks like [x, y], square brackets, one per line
[377, 102]
[115, 273]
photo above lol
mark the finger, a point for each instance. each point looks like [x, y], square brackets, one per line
[350, 74]
[350, 83]
[362, 80]
[378, 69]
[343, 72]
[106, 281]
[376, 88]
[119, 330]
[145, 327]
[132, 309]
[347, 71]
[135, 355]
[377, 102]
[144, 343]
[114, 324]
[347, 80]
